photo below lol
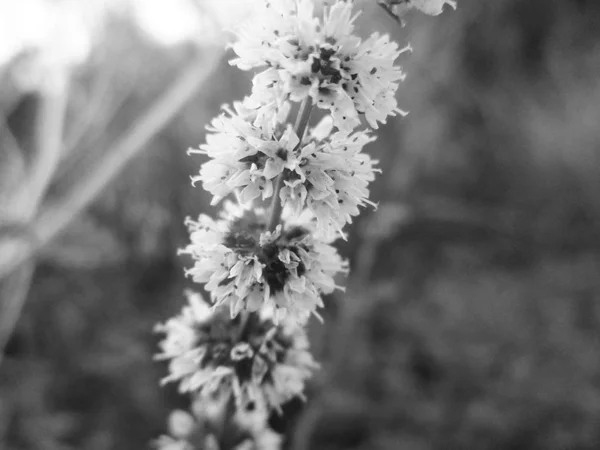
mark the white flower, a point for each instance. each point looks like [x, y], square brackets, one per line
[181, 424]
[330, 178]
[194, 433]
[246, 267]
[264, 439]
[327, 174]
[261, 363]
[181, 347]
[321, 57]
[247, 152]
[185, 429]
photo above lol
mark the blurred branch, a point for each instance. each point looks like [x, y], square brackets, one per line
[91, 107]
[82, 152]
[10, 155]
[10, 94]
[108, 93]
[22, 206]
[48, 145]
[54, 219]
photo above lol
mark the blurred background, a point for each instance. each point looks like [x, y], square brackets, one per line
[472, 319]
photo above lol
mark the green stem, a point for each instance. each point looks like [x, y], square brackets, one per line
[299, 128]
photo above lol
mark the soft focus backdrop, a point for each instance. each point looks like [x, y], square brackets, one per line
[472, 318]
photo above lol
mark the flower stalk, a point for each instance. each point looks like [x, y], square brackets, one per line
[300, 129]
[245, 353]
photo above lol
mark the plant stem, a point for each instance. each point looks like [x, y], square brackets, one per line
[299, 128]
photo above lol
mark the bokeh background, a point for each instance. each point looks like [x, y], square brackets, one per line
[472, 318]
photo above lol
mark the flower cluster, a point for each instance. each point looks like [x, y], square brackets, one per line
[247, 267]
[260, 363]
[321, 58]
[328, 173]
[267, 269]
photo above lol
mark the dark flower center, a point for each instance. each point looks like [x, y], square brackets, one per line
[326, 65]
[244, 239]
[221, 334]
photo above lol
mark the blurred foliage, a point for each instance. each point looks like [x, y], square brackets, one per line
[476, 300]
